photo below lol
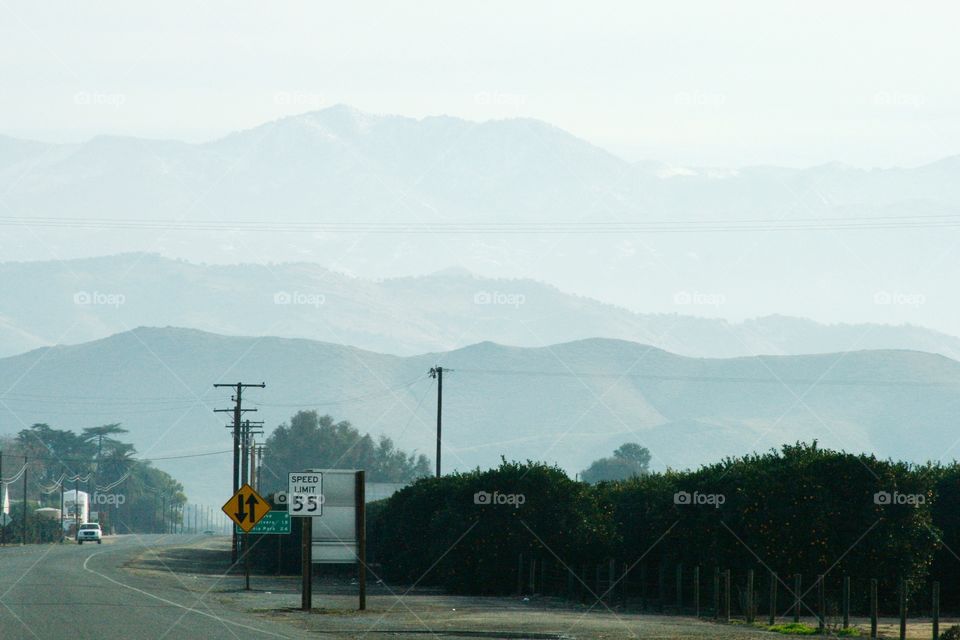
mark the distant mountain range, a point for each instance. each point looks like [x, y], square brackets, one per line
[341, 161]
[66, 302]
[566, 403]
[112, 195]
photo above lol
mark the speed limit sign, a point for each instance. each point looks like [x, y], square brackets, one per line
[305, 493]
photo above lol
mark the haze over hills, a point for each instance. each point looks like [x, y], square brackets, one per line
[68, 302]
[566, 403]
[315, 163]
[341, 166]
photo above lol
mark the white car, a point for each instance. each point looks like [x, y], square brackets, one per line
[89, 532]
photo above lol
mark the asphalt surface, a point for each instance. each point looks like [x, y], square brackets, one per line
[84, 592]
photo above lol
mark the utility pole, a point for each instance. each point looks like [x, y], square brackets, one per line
[3, 503]
[246, 450]
[437, 372]
[253, 462]
[237, 411]
[25, 499]
[259, 448]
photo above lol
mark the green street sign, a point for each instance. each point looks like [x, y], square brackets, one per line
[272, 523]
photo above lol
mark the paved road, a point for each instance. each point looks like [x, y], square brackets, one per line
[82, 592]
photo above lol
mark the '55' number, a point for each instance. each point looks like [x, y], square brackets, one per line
[301, 504]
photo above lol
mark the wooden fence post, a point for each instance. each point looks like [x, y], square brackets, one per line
[520, 575]
[679, 588]
[716, 593]
[661, 586]
[749, 611]
[726, 593]
[582, 584]
[623, 584]
[821, 604]
[773, 599]
[797, 586]
[643, 585]
[873, 608]
[611, 580]
[903, 609]
[612, 575]
[936, 611]
[846, 601]
[696, 591]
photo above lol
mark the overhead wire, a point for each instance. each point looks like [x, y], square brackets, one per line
[689, 225]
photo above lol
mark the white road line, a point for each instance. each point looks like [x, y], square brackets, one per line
[172, 603]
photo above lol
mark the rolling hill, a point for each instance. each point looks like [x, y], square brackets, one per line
[257, 195]
[566, 403]
[64, 302]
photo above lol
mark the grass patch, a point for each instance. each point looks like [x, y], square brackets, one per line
[800, 629]
[793, 629]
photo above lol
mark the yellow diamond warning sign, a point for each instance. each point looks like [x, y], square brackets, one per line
[246, 508]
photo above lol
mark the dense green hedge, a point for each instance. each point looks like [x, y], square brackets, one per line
[435, 532]
[801, 509]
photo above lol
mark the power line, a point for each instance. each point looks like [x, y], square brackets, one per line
[92, 460]
[360, 398]
[703, 225]
[712, 379]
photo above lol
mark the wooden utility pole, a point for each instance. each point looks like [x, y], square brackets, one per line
[361, 527]
[25, 499]
[237, 412]
[3, 503]
[437, 372]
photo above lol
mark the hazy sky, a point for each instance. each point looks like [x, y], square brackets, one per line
[723, 83]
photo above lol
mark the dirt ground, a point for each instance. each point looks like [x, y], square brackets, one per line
[399, 612]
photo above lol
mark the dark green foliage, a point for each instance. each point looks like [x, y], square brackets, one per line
[314, 441]
[628, 460]
[798, 510]
[801, 510]
[55, 456]
[435, 532]
[952, 633]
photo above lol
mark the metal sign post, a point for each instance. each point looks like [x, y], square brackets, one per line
[304, 501]
[246, 508]
[306, 560]
[330, 504]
